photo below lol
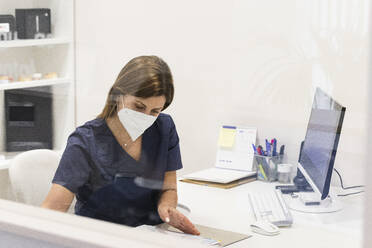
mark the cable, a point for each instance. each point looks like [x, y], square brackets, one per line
[346, 188]
[351, 193]
[342, 183]
[183, 206]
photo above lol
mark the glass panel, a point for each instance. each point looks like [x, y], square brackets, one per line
[155, 83]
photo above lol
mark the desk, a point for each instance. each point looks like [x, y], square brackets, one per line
[229, 209]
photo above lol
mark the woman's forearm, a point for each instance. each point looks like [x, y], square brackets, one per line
[59, 198]
[168, 198]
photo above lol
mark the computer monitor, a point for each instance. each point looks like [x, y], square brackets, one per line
[319, 149]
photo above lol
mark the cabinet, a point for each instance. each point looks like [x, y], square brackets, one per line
[55, 54]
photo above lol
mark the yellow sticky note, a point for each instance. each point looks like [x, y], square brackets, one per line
[227, 137]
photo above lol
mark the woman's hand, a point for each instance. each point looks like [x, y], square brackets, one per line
[176, 219]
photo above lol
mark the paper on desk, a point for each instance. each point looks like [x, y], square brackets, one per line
[240, 156]
[226, 138]
[218, 175]
[159, 229]
[224, 237]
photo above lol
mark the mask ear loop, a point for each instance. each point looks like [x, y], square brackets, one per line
[122, 101]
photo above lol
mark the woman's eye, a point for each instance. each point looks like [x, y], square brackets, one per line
[140, 107]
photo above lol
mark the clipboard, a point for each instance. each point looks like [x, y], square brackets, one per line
[223, 237]
[222, 185]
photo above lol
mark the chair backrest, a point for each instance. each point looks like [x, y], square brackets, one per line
[31, 175]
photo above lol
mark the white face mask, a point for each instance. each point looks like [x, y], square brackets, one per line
[135, 122]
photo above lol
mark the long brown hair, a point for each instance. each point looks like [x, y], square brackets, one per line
[143, 76]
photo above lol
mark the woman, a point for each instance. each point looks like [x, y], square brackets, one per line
[122, 166]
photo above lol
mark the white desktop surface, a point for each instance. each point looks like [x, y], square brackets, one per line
[229, 209]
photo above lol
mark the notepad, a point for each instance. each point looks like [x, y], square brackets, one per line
[226, 137]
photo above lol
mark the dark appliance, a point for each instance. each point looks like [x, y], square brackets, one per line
[28, 119]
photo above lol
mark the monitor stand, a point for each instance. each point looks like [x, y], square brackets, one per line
[308, 202]
[303, 198]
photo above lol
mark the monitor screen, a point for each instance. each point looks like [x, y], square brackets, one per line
[321, 141]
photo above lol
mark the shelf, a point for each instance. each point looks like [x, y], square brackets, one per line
[35, 83]
[24, 57]
[34, 42]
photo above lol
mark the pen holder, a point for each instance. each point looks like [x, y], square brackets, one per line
[267, 167]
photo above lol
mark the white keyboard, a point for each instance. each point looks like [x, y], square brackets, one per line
[269, 205]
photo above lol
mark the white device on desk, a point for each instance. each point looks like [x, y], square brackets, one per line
[234, 159]
[265, 228]
[269, 205]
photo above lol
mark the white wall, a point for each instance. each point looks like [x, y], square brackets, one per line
[252, 63]
[368, 199]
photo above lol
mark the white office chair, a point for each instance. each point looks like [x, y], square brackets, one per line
[31, 175]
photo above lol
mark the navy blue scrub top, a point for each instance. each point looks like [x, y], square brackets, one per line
[93, 157]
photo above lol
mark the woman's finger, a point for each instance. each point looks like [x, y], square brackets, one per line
[163, 213]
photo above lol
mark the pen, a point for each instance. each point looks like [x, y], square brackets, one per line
[265, 165]
[268, 148]
[254, 149]
[273, 142]
[262, 171]
[282, 150]
[259, 150]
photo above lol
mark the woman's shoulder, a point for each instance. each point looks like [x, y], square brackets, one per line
[164, 117]
[87, 132]
[165, 125]
[165, 121]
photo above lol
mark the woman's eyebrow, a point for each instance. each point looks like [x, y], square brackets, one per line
[138, 101]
